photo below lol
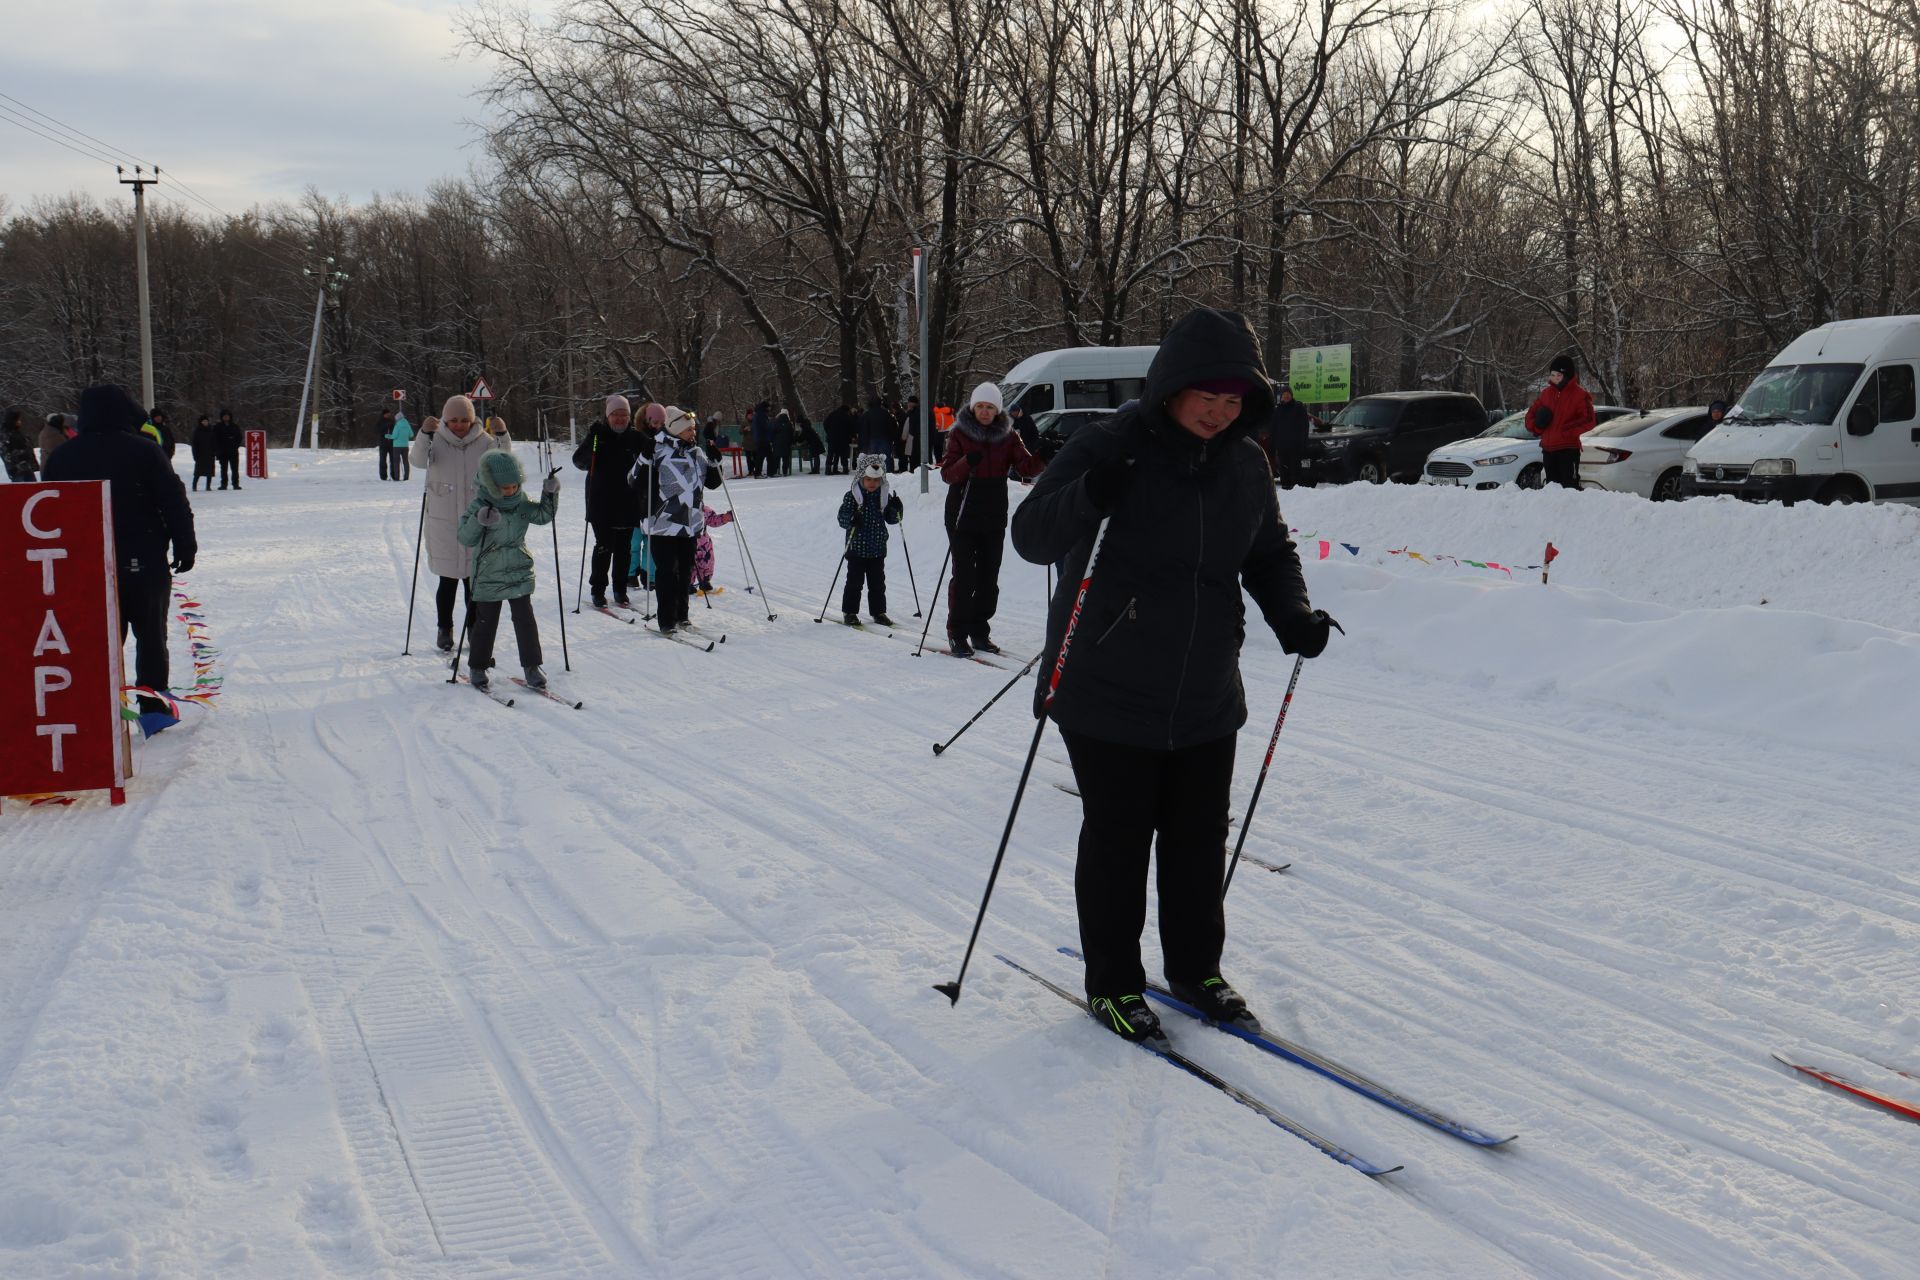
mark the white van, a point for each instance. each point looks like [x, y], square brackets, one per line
[1077, 378]
[1833, 418]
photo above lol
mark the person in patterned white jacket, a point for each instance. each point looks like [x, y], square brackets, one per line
[674, 479]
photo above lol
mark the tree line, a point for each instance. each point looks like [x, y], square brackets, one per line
[712, 202]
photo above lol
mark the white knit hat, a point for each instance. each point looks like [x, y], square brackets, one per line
[617, 404]
[457, 407]
[985, 393]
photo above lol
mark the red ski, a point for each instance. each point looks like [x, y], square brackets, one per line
[1895, 1105]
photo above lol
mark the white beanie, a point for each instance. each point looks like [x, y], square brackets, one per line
[987, 393]
[456, 407]
[617, 404]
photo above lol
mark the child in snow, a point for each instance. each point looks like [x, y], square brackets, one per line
[867, 508]
[495, 526]
[703, 548]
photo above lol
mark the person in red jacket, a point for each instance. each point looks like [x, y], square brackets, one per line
[982, 449]
[1561, 414]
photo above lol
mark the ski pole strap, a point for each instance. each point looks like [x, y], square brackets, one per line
[1073, 619]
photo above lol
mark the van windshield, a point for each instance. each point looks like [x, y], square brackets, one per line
[1795, 393]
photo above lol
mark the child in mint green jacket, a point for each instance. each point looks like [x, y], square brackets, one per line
[495, 526]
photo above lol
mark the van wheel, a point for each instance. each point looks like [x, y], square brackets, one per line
[1532, 476]
[1840, 491]
[1371, 471]
[1667, 487]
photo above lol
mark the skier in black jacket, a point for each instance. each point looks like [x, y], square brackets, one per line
[150, 510]
[1150, 698]
[227, 439]
[606, 455]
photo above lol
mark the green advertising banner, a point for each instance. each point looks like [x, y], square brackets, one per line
[1322, 375]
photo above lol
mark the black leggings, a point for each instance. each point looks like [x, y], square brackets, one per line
[443, 599]
[973, 595]
[486, 625]
[1127, 796]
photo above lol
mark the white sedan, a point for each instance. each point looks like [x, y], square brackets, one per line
[1643, 453]
[1505, 453]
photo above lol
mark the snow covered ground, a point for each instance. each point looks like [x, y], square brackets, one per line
[372, 976]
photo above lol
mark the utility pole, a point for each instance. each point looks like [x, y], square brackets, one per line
[329, 281]
[140, 185]
[572, 432]
[923, 295]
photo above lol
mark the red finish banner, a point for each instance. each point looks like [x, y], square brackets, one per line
[60, 646]
[256, 455]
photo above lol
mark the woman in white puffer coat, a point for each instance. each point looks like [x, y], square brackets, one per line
[451, 458]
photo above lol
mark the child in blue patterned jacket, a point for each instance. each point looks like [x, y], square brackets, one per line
[867, 508]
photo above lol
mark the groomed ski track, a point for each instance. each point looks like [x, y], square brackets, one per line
[372, 978]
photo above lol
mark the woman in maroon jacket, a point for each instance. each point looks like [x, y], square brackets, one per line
[1561, 414]
[982, 450]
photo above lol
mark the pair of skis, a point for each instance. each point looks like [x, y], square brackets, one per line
[506, 699]
[615, 612]
[1301, 1056]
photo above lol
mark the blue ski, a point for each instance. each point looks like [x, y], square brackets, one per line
[1334, 1071]
[1233, 1091]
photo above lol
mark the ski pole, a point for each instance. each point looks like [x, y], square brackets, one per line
[740, 528]
[419, 536]
[838, 565]
[581, 584]
[1261, 781]
[938, 747]
[453, 670]
[909, 553]
[951, 990]
[944, 561]
[559, 591]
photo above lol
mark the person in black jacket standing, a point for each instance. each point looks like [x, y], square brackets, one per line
[1150, 697]
[613, 510]
[227, 441]
[150, 510]
[1287, 437]
[841, 423]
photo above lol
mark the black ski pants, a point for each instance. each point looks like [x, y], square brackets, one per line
[386, 459]
[486, 626]
[612, 547]
[229, 467]
[873, 572]
[973, 595]
[1562, 467]
[402, 464]
[145, 594]
[444, 597]
[1128, 796]
[673, 576]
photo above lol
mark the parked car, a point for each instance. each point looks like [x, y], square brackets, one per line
[1505, 453]
[1056, 425]
[1077, 378]
[1833, 418]
[1388, 435]
[1642, 453]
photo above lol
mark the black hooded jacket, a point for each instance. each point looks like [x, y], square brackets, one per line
[606, 456]
[150, 507]
[1155, 660]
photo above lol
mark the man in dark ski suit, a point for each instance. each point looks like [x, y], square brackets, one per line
[227, 440]
[613, 510]
[982, 451]
[841, 424]
[1149, 697]
[150, 511]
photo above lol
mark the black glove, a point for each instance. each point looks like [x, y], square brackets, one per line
[895, 507]
[1105, 484]
[975, 458]
[183, 560]
[1306, 634]
[1542, 418]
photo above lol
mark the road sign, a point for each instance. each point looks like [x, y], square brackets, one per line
[479, 391]
[399, 394]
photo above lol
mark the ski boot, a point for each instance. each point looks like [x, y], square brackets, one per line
[536, 678]
[985, 644]
[850, 619]
[1216, 1002]
[444, 640]
[1130, 1017]
[477, 676]
[883, 619]
[958, 647]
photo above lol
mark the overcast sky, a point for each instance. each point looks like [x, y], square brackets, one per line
[250, 100]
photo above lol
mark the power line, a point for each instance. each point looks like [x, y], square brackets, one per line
[13, 118]
[67, 128]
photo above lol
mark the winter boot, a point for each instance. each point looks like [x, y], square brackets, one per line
[599, 599]
[985, 644]
[883, 619]
[622, 601]
[444, 640]
[478, 677]
[958, 647]
[536, 678]
[1216, 1002]
[1130, 1017]
[851, 619]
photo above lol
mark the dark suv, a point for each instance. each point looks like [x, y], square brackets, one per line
[1389, 435]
